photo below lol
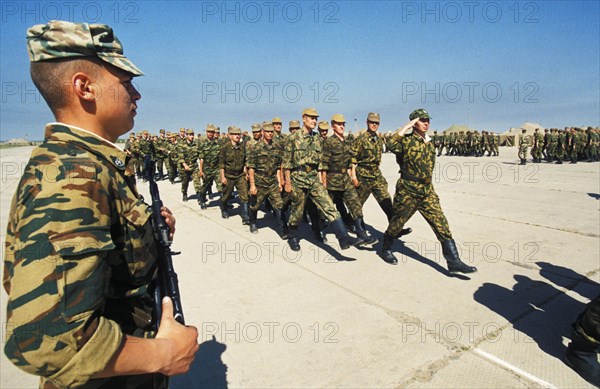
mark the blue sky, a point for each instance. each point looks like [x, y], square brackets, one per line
[489, 64]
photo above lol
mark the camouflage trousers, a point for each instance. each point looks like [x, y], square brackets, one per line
[350, 198]
[523, 152]
[171, 169]
[407, 203]
[210, 176]
[588, 322]
[536, 152]
[186, 175]
[551, 151]
[378, 186]
[160, 162]
[238, 183]
[319, 196]
[271, 192]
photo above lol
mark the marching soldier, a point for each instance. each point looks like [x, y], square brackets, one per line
[160, 151]
[188, 164]
[209, 163]
[265, 177]
[366, 152]
[524, 143]
[414, 191]
[232, 165]
[301, 160]
[337, 172]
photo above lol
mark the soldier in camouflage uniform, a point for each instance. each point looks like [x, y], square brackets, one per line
[494, 143]
[538, 144]
[160, 152]
[188, 165]
[172, 157]
[256, 136]
[209, 163]
[336, 176]
[146, 150]
[552, 145]
[277, 126]
[582, 352]
[414, 191]
[561, 147]
[301, 159]
[265, 176]
[286, 197]
[366, 154]
[232, 166]
[437, 142]
[524, 143]
[80, 251]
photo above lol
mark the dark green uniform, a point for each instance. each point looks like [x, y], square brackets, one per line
[233, 159]
[265, 160]
[209, 159]
[366, 150]
[188, 153]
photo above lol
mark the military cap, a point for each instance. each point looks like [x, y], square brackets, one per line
[217, 128]
[182, 129]
[61, 39]
[373, 117]
[323, 126]
[276, 120]
[294, 124]
[162, 131]
[234, 130]
[268, 127]
[132, 135]
[338, 118]
[256, 127]
[189, 131]
[210, 128]
[419, 113]
[310, 112]
[145, 132]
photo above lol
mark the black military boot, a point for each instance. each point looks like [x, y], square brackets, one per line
[362, 233]
[455, 265]
[278, 220]
[244, 213]
[317, 227]
[202, 201]
[252, 219]
[293, 238]
[285, 231]
[386, 250]
[582, 356]
[341, 233]
[523, 161]
[184, 198]
[224, 213]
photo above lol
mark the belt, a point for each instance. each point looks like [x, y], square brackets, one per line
[410, 177]
[342, 171]
[368, 165]
[265, 172]
[307, 168]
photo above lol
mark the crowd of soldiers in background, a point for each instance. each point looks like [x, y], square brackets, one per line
[571, 144]
[466, 144]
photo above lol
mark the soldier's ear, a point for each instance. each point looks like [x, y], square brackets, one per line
[84, 88]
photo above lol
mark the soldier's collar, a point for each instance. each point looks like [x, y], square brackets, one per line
[87, 140]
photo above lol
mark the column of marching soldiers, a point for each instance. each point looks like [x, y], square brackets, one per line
[571, 144]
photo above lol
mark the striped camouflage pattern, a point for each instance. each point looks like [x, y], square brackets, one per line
[336, 160]
[60, 39]
[302, 149]
[366, 150]
[79, 256]
[416, 157]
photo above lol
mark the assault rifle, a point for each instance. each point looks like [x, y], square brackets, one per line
[166, 284]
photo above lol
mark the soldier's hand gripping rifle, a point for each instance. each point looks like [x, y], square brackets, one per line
[166, 283]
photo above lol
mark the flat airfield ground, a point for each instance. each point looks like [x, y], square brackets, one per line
[271, 317]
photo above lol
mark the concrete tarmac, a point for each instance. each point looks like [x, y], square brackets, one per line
[324, 317]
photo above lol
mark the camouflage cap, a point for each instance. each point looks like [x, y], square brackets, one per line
[162, 131]
[310, 112]
[181, 129]
[373, 117]
[189, 131]
[145, 132]
[338, 118]
[323, 126]
[132, 135]
[234, 130]
[419, 113]
[276, 120]
[294, 124]
[210, 128]
[256, 127]
[60, 39]
[268, 127]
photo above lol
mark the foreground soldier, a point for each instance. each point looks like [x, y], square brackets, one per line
[414, 191]
[80, 252]
[301, 160]
[582, 353]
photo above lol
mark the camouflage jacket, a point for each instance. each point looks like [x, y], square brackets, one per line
[209, 152]
[146, 148]
[172, 151]
[188, 153]
[416, 159]
[79, 256]
[265, 159]
[366, 150]
[336, 160]
[302, 155]
[232, 159]
[160, 148]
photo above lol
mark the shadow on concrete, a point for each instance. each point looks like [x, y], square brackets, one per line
[406, 251]
[207, 371]
[595, 196]
[568, 279]
[539, 312]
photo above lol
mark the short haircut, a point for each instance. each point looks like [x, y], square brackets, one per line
[52, 78]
